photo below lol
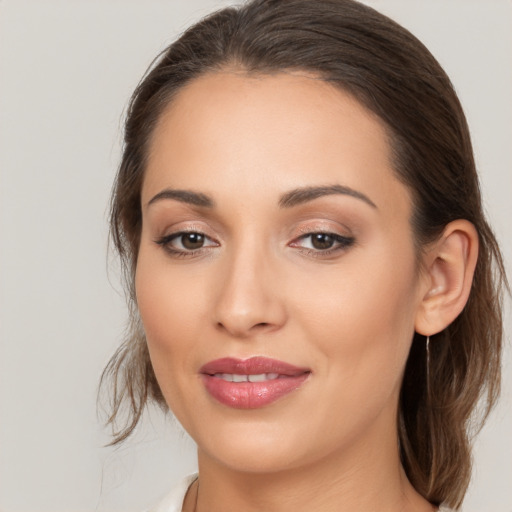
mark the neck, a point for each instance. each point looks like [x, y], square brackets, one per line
[361, 478]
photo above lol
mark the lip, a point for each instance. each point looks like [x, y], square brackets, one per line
[251, 395]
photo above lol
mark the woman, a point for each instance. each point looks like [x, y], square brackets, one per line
[315, 291]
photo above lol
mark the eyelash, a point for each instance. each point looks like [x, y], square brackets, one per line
[341, 243]
[182, 253]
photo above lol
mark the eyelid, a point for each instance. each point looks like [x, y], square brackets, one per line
[322, 226]
[339, 238]
[165, 241]
[170, 229]
[343, 238]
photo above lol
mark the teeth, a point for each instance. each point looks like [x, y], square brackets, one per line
[234, 377]
[257, 378]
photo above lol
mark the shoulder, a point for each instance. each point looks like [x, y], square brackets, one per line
[173, 501]
[446, 509]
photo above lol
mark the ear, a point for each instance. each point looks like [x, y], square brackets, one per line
[447, 277]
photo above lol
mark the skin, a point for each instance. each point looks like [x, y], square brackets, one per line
[259, 288]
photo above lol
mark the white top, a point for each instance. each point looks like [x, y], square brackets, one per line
[173, 502]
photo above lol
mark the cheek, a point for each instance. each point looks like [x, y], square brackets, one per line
[171, 311]
[363, 318]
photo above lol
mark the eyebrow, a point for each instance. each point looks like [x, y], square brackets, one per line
[184, 196]
[290, 199]
[306, 194]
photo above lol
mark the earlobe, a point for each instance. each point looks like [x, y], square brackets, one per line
[450, 265]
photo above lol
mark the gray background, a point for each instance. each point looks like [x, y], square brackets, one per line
[67, 69]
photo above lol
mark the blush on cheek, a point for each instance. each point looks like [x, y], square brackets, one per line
[369, 327]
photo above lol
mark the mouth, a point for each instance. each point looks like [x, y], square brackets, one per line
[236, 377]
[251, 383]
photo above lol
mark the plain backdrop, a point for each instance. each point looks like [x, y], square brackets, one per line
[67, 69]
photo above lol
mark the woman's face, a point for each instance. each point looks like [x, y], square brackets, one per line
[276, 250]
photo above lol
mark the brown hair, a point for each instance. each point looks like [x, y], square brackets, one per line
[389, 71]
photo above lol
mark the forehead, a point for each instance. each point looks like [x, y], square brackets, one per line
[235, 132]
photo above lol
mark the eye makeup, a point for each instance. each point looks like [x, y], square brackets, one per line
[183, 244]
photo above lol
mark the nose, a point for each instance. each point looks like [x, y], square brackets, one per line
[250, 298]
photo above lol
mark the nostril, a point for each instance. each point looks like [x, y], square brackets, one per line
[260, 325]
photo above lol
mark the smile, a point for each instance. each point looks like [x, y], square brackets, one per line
[251, 383]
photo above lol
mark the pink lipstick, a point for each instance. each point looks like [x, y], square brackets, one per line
[251, 383]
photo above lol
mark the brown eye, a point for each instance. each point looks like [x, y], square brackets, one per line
[186, 243]
[322, 241]
[192, 241]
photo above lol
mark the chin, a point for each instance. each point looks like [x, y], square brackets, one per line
[247, 442]
[253, 454]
